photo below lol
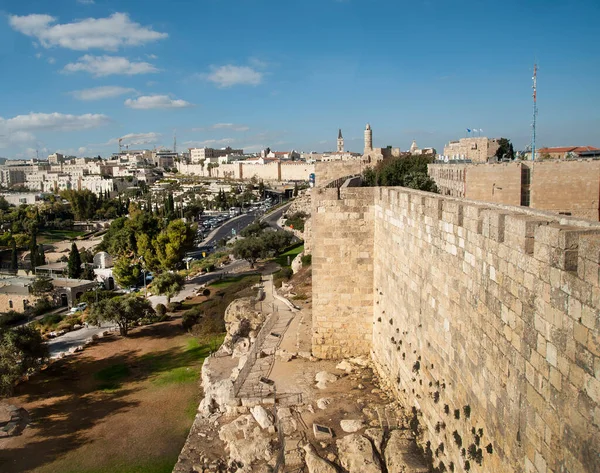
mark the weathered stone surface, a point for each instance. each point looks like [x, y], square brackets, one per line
[241, 347]
[402, 455]
[323, 402]
[218, 393]
[262, 417]
[241, 319]
[246, 441]
[345, 366]
[376, 436]
[315, 463]
[351, 426]
[357, 455]
[323, 377]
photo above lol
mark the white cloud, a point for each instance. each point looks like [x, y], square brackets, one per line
[136, 139]
[101, 33]
[146, 102]
[223, 141]
[86, 2]
[51, 60]
[230, 75]
[229, 126]
[98, 93]
[52, 122]
[109, 65]
[258, 63]
[20, 130]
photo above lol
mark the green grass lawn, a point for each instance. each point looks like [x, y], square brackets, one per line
[53, 236]
[226, 282]
[294, 251]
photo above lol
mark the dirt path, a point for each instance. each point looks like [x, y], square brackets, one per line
[123, 405]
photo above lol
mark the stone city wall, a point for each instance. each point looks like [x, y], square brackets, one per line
[293, 171]
[568, 187]
[485, 318]
[328, 172]
[342, 271]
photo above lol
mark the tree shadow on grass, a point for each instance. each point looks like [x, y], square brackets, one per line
[73, 395]
[165, 330]
[61, 427]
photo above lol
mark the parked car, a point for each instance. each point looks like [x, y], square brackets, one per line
[78, 308]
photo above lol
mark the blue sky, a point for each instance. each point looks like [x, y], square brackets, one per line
[79, 74]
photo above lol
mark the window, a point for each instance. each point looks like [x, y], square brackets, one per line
[10, 304]
[525, 176]
[525, 197]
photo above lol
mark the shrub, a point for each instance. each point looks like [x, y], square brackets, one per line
[174, 306]
[161, 310]
[206, 292]
[191, 317]
[41, 306]
[306, 260]
[11, 318]
[286, 273]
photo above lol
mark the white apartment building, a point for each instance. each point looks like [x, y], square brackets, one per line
[211, 155]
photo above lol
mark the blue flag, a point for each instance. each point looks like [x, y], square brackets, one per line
[468, 130]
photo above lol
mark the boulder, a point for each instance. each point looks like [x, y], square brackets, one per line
[345, 366]
[241, 347]
[402, 454]
[241, 319]
[351, 426]
[315, 463]
[262, 417]
[323, 377]
[376, 436]
[246, 441]
[323, 402]
[360, 361]
[356, 455]
[218, 392]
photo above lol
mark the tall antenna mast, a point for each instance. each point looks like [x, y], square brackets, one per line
[174, 142]
[535, 112]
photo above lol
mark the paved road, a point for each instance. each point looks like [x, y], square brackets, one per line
[73, 339]
[273, 217]
[224, 231]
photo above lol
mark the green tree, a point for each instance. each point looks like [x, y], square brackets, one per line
[74, 264]
[125, 272]
[88, 272]
[250, 249]
[168, 284]
[408, 171]
[172, 243]
[33, 248]
[42, 285]
[14, 265]
[295, 190]
[276, 242]
[22, 351]
[41, 254]
[124, 311]
[505, 150]
[254, 229]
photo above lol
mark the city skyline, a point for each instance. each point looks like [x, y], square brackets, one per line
[255, 74]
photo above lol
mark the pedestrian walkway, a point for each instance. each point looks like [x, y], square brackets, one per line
[257, 386]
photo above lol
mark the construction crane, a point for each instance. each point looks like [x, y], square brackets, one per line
[120, 145]
[535, 112]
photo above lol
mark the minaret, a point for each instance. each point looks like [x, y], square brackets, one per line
[340, 142]
[368, 139]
